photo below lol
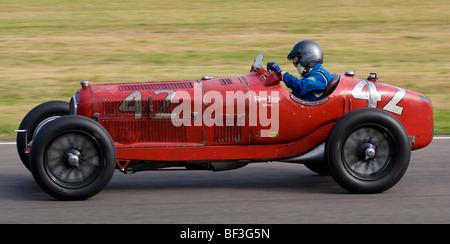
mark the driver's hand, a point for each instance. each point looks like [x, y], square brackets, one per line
[272, 66]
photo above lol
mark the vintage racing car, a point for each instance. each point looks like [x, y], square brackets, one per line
[361, 132]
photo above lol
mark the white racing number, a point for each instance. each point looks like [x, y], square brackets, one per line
[373, 96]
[392, 106]
[133, 103]
[162, 112]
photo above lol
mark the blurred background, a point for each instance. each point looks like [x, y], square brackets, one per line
[48, 46]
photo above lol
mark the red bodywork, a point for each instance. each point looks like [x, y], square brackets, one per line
[140, 117]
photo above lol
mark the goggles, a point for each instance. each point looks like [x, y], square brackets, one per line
[296, 60]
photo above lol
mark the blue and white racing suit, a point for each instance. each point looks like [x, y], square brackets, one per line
[311, 86]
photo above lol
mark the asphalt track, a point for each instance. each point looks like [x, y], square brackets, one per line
[260, 193]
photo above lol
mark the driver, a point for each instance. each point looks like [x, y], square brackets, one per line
[307, 57]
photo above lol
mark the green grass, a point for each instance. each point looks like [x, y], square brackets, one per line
[48, 46]
[441, 124]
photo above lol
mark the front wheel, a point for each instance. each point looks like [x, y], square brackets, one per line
[368, 151]
[73, 158]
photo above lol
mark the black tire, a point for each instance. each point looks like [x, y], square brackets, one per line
[368, 151]
[34, 120]
[73, 158]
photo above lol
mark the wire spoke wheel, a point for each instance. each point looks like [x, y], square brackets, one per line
[72, 159]
[32, 123]
[367, 152]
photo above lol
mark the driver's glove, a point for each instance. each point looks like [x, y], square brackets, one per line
[272, 66]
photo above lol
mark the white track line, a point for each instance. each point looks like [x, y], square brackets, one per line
[7, 143]
[441, 138]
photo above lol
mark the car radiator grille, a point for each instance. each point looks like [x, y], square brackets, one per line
[130, 130]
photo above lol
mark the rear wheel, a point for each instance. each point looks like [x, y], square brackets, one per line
[73, 158]
[33, 122]
[368, 151]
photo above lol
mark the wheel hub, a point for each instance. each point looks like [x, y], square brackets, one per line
[370, 153]
[73, 157]
[366, 153]
[367, 150]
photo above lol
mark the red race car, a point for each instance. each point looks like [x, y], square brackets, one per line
[361, 133]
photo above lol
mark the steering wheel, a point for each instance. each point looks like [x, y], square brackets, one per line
[268, 68]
